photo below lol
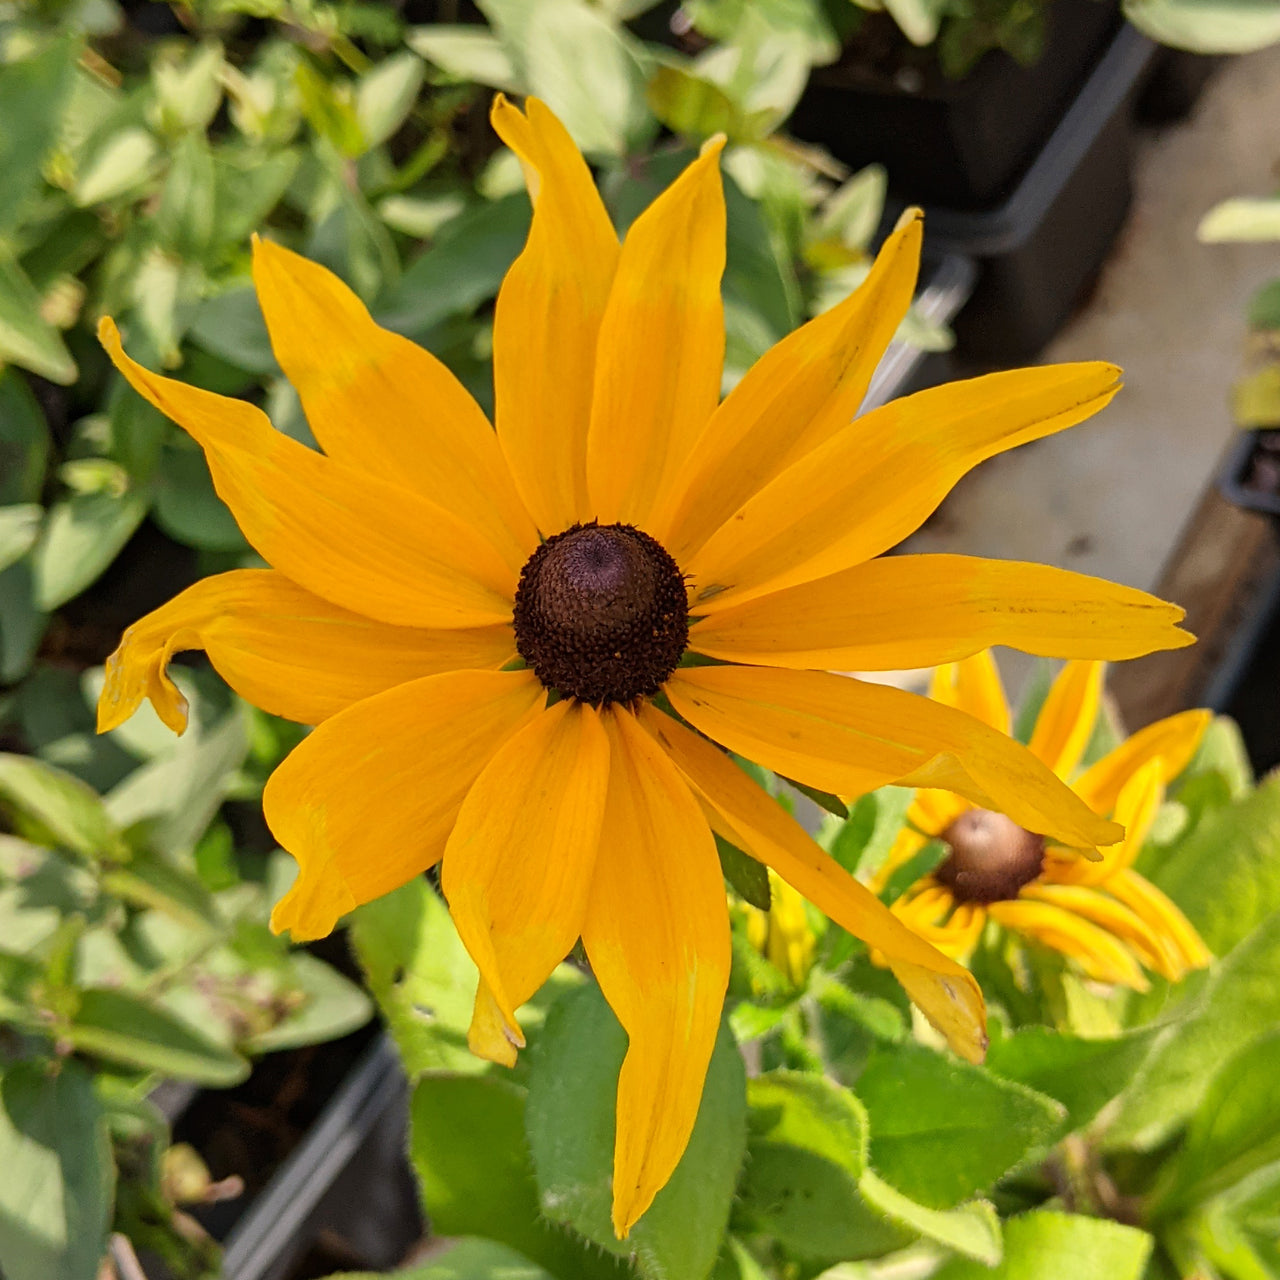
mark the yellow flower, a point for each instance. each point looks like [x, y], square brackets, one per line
[619, 516]
[1111, 921]
[782, 934]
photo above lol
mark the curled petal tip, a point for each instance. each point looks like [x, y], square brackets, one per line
[714, 145]
[910, 215]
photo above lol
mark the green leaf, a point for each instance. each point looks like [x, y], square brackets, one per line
[1045, 1245]
[1084, 1075]
[26, 338]
[59, 1179]
[573, 1087]
[829, 803]
[19, 528]
[467, 1145]
[21, 623]
[1240, 998]
[465, 1260]
[63, 808]
[461, 270]
[972, 1230]
[117, 165]
[1235, 1131]
[1222, 751]
[932, 854]
[918, 20]
[32, 91]
[24, 441]
[1235, 851]
[386, 94]
[811, 1113]
[689, 104]
[469, 54]
[1264, 307]
[126, 1029]
[230, 325]
[82, 535]
[331, 1007]
[748, 878]
[942, 1130]
[186, 506]
[188, 91]
[185, 220]
[421, 976]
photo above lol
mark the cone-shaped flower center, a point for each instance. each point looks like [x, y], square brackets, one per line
[991, 857]
[601, 613]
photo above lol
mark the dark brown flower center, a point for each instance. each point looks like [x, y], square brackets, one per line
[601, 613]
[991, 857]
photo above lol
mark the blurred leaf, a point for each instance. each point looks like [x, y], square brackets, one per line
[21, 623]
[330, 110]
[32, 91]
[1222, 751]
[570, 1121]
[188, 90]
[185, 505]
[19, 528]
[421, 975]
[461, 270]
[466, 1260]
[1264, 307]
[59, 1178]
[82, 535]
[469, 54]
[1235, 1130]
[331, 1007]
[1046, 1245]
[186, 217]
[126, 1029]
[748, 878]
[942, 1130]
[1255, 399]
[691, 105]
[852, 213]
[1240, 998]
[62, 807]
[930, 855]
[149, 882]
[26, 338]
[1083, 1075]
[420, 216]
[918, 20]
[1236, 850]
[249, 185]
[24, 441]
[467, 1145]
[120, 162]
[1207, 26]
[972, 1229]
[230, 325]
[386, 94]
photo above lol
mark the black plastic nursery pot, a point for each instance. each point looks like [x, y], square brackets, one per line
[959, 143]
[1039, 251]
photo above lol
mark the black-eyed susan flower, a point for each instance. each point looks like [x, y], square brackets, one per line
[1104, 916]
[493, 629]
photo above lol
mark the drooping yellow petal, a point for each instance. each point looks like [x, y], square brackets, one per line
[920, 610]
[377, 402]
[661, 346]
[793, 398]
[547, 321]
[1173, 740]
[848, 737]
[518, 865]
[973, 686]
[872, 483]
[946, 993]
[283, 649]
[1100, 955]
[354, 540]
[657, 935]
[1165, 918]
[367, 801]
[1065, 723]
[1107, 913]
[1136, 808]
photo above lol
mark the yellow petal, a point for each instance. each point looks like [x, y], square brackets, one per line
[1165, 918]
[367, 801]
[1108, 914]
[377, 402]
[973, 686]
[1173, 740]
[354, 540]
[945, 992]
[1065, 723]
[876, 480]
[848, 737]
[794, 397]
[657, 935]
[920, 610]
[661, 346]
[548, 317]
[517, 868]
[282, 648]
[1096, 952]
[934, 811]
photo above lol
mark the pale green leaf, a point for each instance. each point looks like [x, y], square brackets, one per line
[82, 535]
[386, 94]
[1207, 26]
[27, 339]
[122, 162]
[19, 528]
[469, 54]
[63, 808]
[972, 1229]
